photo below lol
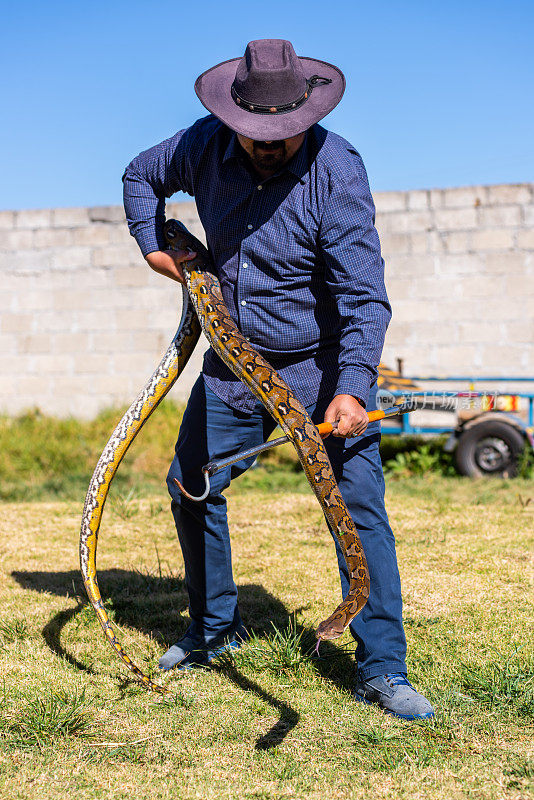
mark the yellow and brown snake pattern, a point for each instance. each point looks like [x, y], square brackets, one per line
[233, 348]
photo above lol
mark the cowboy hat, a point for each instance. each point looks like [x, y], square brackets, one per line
[270, 93]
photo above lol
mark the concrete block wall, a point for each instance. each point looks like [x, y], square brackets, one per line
[460, 275]
[83, 320]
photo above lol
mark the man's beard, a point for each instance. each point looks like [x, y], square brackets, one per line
[270, 156]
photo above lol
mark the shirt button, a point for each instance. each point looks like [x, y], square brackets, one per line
[249, 227]
[245, 266]
[243, 302]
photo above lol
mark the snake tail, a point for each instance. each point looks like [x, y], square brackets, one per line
[163, 378]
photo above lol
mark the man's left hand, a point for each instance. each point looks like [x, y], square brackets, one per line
[350, 415]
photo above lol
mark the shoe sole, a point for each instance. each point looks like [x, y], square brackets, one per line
[408, 717]
[211, 655]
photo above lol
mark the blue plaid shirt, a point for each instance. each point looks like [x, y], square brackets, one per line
[297, 254]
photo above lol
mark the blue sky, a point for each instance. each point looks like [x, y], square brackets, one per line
[438, 93]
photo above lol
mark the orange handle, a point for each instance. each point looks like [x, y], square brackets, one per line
[325, 428]
[378, 414]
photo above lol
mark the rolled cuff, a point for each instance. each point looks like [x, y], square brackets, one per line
[148, 240]
[356, 382]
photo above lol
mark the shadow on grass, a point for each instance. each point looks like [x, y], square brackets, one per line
[151, 604]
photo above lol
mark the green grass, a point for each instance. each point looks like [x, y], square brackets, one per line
[45, 458]
[270, 720]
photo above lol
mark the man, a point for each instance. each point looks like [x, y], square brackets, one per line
[289, 221]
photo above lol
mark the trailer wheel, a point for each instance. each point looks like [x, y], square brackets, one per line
[489, 449]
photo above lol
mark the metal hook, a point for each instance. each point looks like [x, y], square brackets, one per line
[191, 496]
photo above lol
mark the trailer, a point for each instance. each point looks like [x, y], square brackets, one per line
[490, 428]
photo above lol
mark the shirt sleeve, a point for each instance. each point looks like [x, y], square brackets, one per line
[152, 176]
[355, 277]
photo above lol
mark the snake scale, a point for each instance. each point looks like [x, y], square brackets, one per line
[204, 309]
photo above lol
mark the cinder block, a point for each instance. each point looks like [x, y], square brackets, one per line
[390, 201]
[133, 318]
[493, 239]
[26, 262]
[131, 276]
[520, 331]
[464, 196]
[393, 222]
[437, 198]
[481, 332]
[98, 278]
[117, 256]
[95, 319]
[496, 356]
[398, 266]
[395, 243]
[12, 363]
[115, 387]
[458, 357]
[461, 264]
[56, 321]
[478, 287]
[183, 211]
[35, 300]
[400, 289]
[16, 240]
[420, 242]
[119, 234]
[73, 342]
[71, 257]
[53, 364]
[522, 289]
[69, 217]
[53, 237]
[8, 391]
[75, 386]
[452, 219]
[150, 341]
[513, 263]
[31, 343]
[32, 386]
[7, 220]
[418, 199]
[92, 235]
[72, 299]
[499, 216]
[15, 323]
[93, 363]
[33, 218]
[115, 341]
[456, 241]
[107, 214]
[525, 239]
[511, 193]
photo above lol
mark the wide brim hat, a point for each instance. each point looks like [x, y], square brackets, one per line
[270, 93]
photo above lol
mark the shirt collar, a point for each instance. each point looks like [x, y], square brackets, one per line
[298, 165]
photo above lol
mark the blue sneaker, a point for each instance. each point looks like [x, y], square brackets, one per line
[395, 694]
[192, 651]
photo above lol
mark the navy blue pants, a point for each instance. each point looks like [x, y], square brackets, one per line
[212, 430]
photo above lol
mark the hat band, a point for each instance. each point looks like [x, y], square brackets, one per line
[311, 83]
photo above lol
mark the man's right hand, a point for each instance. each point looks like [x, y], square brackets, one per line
[168, 262]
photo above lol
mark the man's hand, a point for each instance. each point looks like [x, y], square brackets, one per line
[168, 262]
[350, 416]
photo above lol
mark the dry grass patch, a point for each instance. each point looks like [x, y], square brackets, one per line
[271, 722]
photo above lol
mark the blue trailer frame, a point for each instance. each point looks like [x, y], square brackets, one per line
[405, 426]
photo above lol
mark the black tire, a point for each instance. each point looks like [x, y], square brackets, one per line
[490, 449]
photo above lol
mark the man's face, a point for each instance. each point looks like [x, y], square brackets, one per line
[270, 156]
